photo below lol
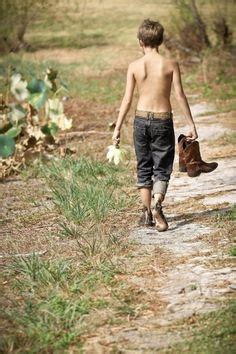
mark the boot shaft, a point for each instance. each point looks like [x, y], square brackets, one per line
[190, 159]
[192, 152]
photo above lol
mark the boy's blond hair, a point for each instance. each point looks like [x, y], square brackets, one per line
[150, 33]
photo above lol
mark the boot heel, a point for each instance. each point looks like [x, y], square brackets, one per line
[182, 168]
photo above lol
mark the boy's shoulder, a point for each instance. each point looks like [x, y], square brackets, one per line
[135, 62]
[140, 61]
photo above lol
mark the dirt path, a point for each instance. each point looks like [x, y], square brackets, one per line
[192, 284]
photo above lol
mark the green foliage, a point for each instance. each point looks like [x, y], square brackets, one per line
[38, 93]
[229, 138]
[211, 333]
[38, 272]
[37, 113]
[231, 214]
[85, 189]
[194, 31]
[50, 312]
[13, 132]
[87, 193]
[50, 129]
[232, 251]
[51, 299]
[15, 17]
[7, 146]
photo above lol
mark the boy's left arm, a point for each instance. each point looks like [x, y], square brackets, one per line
[125, 104]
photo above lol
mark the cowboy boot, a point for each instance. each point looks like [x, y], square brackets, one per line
[159, 217]
[181, 146]
[192, 158]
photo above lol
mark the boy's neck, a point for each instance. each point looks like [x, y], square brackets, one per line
[149, 50]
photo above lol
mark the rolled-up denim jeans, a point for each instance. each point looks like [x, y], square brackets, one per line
[154, 142]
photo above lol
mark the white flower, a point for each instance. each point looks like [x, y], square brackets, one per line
[17, 113]
[64, 123]
[35, 119]
[35, 131]
[19, 87]
[54, 108]
[55, 112]
[116, 154]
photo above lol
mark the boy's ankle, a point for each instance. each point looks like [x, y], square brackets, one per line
[158, 198]
[145, 208]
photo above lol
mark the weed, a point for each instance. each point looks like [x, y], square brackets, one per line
[84, 190]
[126, 309]
[230, 138]
[229, 215]
[37, 272]
[232, 251]
[53, 297]
[54, 300]
[48, 324]
[193, 287]
[211, 333]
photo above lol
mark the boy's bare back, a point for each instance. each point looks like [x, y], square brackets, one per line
[153, 74]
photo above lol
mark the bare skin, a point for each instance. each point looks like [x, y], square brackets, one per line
[153, 74]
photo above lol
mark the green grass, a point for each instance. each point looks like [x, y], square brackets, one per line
[214, 333]
[52, 298]
[221, 89]
[230, 138]
[94, 28]
[48, 300]
[85, 189]
[229, 215]
[105, 88]
[88, 193]
[232, 251]
[225, 139]
[75, 39]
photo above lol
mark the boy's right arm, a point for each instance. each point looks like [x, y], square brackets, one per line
[125, 104]
[182, 100]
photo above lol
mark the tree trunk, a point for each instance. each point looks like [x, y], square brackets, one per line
[201, 24]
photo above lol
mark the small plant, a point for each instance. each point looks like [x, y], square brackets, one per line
[232, 251]
[193, 287]
[116, 154]
[31, 115]
[229, 215]
[84, 190]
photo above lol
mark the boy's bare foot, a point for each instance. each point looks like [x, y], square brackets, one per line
[159, 217]
[146, 218]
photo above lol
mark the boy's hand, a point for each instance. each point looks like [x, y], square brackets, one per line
[116, 137]
[192, 135]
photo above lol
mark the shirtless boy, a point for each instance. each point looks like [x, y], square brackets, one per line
[154, 138]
